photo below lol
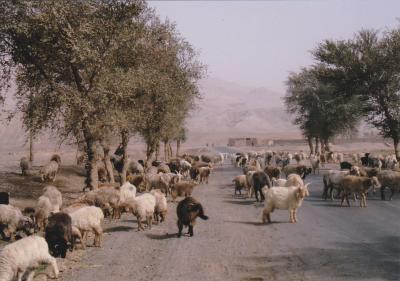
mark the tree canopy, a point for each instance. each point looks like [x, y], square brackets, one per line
[88, 68]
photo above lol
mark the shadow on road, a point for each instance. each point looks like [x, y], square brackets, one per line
[118, 229]
[247, 222]
[239, 202]
[377, 260]
[162, 236]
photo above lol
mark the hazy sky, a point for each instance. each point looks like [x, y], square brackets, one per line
[257, 43]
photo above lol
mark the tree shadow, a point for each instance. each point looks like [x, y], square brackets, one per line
[347, 261]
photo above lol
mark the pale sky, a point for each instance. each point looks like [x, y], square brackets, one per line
[257, 43]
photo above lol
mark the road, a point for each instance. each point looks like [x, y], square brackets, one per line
[327, 243]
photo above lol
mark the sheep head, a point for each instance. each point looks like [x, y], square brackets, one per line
[302, 192]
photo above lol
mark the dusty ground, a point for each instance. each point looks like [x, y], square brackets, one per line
[327, 243]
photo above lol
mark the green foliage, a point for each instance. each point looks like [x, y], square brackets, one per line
[319, 111]
[368, 67]
[88, 69]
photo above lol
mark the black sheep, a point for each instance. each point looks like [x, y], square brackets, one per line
[58, 234]
[188, 210]
[345, 165]
[260, 179]
[4, 198]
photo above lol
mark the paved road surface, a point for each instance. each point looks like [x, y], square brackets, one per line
[327, 243]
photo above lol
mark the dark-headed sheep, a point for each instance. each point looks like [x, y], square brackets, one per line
[58, 234]
[345, 165]
[49, 171]
[4, 198]
[188, 210]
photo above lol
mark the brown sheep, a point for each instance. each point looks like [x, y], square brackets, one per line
[301, 170]
[183, 188]
[188, 210]
[240, 182]
[360, 185]
[272, 172]
[136, 180]
[204, 173]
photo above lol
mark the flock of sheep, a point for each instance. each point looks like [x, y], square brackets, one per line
[275, 178]
[357, 177]
[66, 226]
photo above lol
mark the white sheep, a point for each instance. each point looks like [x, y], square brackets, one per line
[127, 191]
[284, 198]
[185, 167]
[315, 163]
[294, 180]
[278, 182]
[49, 171]
[143, 208]
[89, 219]
[161, 209]
[14, 219]
[332, 180]
[157, 181]
[27, 253]
[54, 195]
[49, 202]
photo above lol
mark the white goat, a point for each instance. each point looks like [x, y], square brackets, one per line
[27, 253]
[89, 219]
[283, 198]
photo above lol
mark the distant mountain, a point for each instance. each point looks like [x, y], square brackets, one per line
[231, 110]
[226, 110]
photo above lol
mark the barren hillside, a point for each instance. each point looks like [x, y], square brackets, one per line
[228, 109]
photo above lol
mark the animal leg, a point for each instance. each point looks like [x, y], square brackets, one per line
[180, 227]
[191, 230]
[391, 195]
[291, 216]
[149, 221]
[30, 275]
[347, 199]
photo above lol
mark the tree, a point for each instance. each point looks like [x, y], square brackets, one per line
[79, 58]
[320, 112]
[367, 67]
[179, 138]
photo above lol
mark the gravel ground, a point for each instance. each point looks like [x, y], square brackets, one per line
[327, 243]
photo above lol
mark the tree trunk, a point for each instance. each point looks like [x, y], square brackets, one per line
[326, 145]
[310, 144]
[30, 146]
[125, 160]
[107, 163]
[178, 147]
[166, 151]
[396, 148]
[157, 150]
[149, 153]
[317, 146]
[170, 152]
[92, 179]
